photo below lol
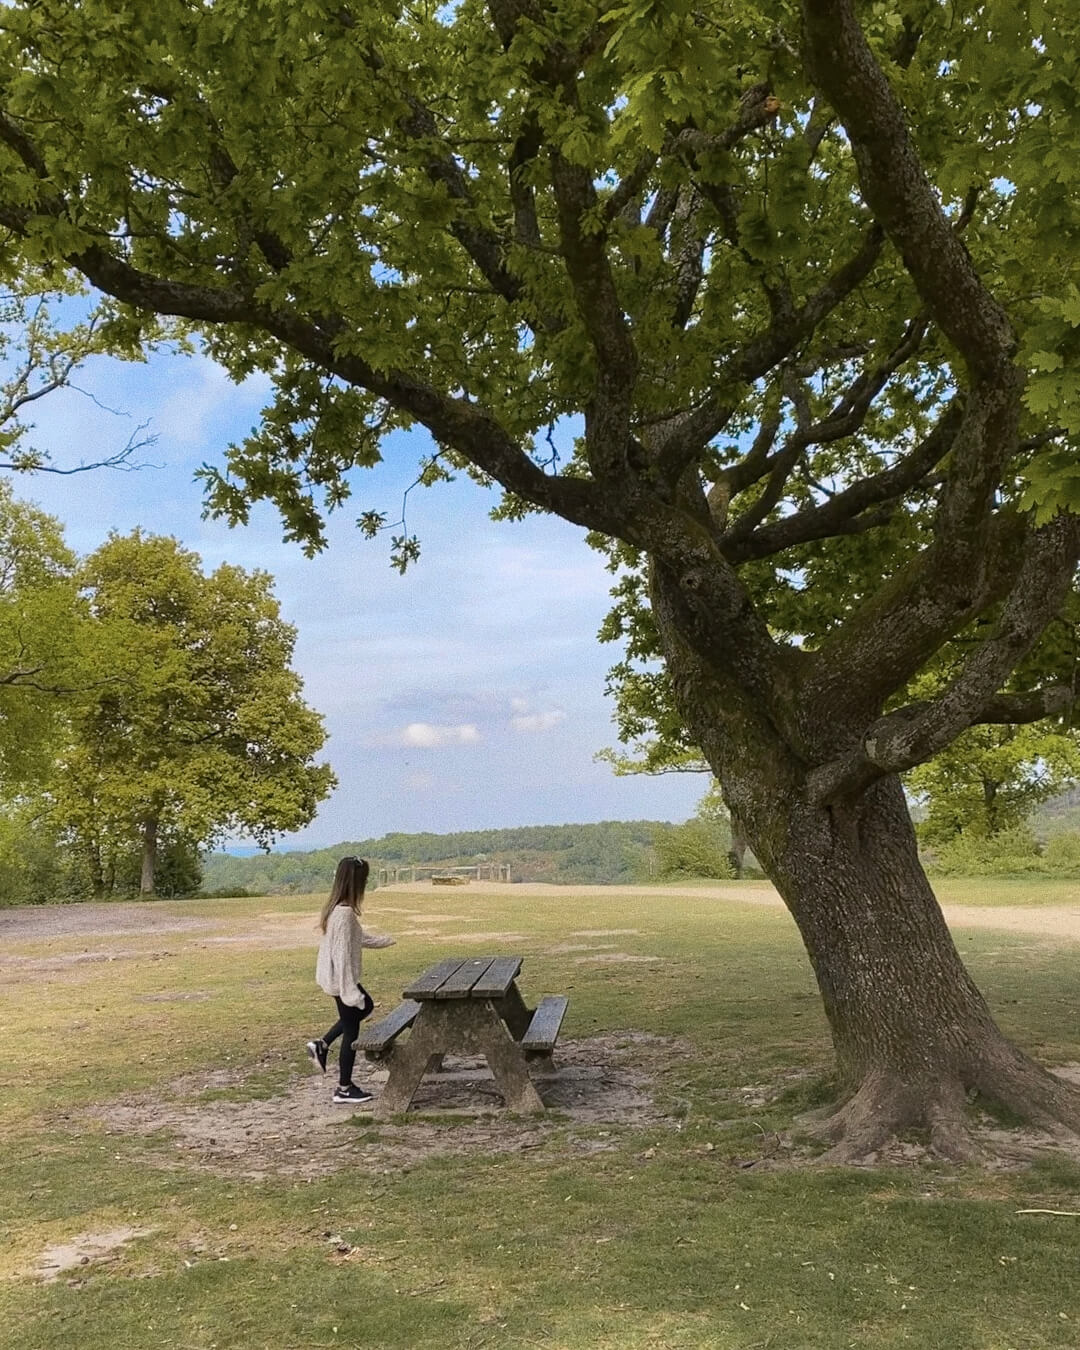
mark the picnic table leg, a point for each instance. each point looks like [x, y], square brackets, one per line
[504, 1057]
[511, 1008]
[419, 1055]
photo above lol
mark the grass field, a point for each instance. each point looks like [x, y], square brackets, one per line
[160, 1120]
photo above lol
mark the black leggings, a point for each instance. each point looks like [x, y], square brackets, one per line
[348, 1028]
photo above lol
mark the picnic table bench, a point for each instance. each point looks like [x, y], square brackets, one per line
[465, 1006]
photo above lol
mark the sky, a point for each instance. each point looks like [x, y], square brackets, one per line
[467, 694]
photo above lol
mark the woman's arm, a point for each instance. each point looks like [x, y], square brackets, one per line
[350, 958]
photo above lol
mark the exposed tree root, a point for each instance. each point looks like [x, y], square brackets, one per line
[942, 1113]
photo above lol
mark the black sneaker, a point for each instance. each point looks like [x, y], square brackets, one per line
[351, 1095]
[318, 1052]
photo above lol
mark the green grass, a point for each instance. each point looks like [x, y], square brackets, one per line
[662, 1240]
[1007, 890]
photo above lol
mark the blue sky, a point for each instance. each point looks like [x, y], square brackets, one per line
[467, 694]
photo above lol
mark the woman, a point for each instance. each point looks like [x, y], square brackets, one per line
[337, 972]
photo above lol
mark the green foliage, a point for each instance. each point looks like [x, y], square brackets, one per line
[807, 274]
[195, 723]
[363, 203]
[137, 691]
[992, 778]
[698, 848]
[1009, 852]
[35, 868]
[41, 630]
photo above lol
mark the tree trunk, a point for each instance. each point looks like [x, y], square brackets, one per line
[990, 791]
[149, 857]
[914, 1038]
[737, 851]
[93, 866]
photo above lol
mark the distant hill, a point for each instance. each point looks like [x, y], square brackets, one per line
[608, 853]
[1060, 815]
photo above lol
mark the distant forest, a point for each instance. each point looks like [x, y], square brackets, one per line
[607, 853]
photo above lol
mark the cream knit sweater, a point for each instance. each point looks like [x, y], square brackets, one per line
[337, 969]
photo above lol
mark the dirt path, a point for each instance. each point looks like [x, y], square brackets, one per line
[38, 922]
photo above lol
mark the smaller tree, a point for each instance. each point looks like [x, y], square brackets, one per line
[195, 726]
[701, 846]
[992, 778]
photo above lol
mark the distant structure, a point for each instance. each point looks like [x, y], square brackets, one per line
[444, 876]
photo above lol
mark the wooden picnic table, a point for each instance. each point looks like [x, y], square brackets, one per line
[465, 1006]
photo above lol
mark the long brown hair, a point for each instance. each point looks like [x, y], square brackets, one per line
[350, 881]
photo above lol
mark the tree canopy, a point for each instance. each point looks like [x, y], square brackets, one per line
[808, 274]
[195, 726]
[145, 708]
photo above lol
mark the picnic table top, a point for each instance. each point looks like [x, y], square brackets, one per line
[466, 977]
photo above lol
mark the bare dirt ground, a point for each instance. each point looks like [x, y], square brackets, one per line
[604, 1081]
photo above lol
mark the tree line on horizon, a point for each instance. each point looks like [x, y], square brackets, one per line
[606, 853]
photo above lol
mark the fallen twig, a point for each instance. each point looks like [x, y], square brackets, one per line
[1062, 1213]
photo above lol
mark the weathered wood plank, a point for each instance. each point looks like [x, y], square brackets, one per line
[543, 1030]
[460, 983]
[425, 985]
[497, 979]
[376, 1036]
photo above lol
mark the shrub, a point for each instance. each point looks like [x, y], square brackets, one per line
[1012, 852]
[699, 848]
[1062, 855]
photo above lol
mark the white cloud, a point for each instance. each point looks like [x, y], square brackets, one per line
[542, 721]
[427, 736]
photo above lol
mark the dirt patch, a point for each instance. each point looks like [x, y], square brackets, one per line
[604, 1080]
[177, 996]
[614, 957]
[39, 963]
[482, 937]
[566, 947]
[605, 932]
[417, 914]
[32, 923]
[83, 1250]
[262, 941]
[1059, 921]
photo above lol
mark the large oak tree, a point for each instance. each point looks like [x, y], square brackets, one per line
[808, 272]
